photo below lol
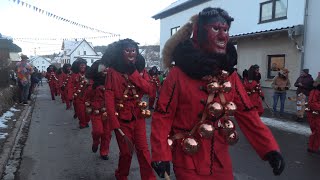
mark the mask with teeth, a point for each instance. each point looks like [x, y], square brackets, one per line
[130, 54]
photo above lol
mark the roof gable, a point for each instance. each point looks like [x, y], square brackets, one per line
[76, 47]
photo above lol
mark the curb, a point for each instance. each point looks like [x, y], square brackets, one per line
[13, 138]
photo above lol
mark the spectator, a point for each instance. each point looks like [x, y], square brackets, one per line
[304, 84]
[40, 76]
[24, 70]
[34, 82]
[280, 84]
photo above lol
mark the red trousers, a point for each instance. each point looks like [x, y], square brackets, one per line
[53, 91]
[101, 135]
[136, 132]
[64, 97]
[81, 112]
[185, 174]
[314, 139]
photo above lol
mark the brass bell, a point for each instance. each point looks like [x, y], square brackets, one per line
[148, 114]
[117, 114]
[136, 96]
[79, 91]
[206, 130]
[213, 87]
[132, 86]
[129, 87]
[190, 145]
[96, 112]
[226, 87]
[87, 103]
[82, 82]
[230, 108]
[67, 79]
[226, 126]
[120, 106]
[75, 94]
[104, 116]
[315, 112]
[81, 86]
[307, 109]
[88, 110]
[143, 104]
[125, 96]
[224, 74]
[232, 138]
[103, 109]
[215, 109]
[170, 142]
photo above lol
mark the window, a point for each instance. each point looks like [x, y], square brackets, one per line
[174, 30]
[84, 52]
[92, 61]
[275, 63]
[42, 62]
[273, 10]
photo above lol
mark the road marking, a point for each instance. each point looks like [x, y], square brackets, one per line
[293, 127]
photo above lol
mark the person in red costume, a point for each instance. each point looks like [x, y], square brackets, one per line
[192, 124]
[154, 77]
[95, 106]
[313, 115]
[252, 86]
[52, 80]
[58, 84]
[65, 85]
[79, 85]
[125, 87]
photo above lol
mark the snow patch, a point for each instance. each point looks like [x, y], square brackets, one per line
[14, 109]
[7, 116]
[3, 135]
[293, 127]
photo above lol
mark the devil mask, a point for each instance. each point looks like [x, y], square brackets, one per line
[129, 53]
[211, 34]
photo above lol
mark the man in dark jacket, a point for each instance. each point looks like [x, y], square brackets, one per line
[304, 84]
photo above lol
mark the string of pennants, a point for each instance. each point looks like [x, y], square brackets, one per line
[49, 14]
[59, 39]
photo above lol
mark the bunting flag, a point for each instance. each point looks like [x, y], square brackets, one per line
[59, 39]
[49, 14]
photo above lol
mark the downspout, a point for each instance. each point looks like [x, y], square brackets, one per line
[305, 25]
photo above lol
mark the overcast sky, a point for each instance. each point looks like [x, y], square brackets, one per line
[129, 18]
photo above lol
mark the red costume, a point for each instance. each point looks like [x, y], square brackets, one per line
[101, 135]
[153, 72]
[52, 80]
[253, 88]
[80, 84]
[66, 86]
[126, 112]
[313, 115]
[191, 125]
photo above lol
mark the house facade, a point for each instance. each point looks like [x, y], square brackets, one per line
[40, 63]
[71, 50]
[271, 33]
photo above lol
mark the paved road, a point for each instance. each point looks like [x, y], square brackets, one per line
[57, 149]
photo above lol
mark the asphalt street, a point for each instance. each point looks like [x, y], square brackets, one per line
[56, 149]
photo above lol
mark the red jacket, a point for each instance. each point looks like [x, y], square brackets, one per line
[78, 86]
[253, 89]
[66, 82]
[52, 79]
[178, 109]
[314, 100]
[115, 86]
[96, 97]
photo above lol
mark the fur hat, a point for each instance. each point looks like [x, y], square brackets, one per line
[76, 64]
[305, 71]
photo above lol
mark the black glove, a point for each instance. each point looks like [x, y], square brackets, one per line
[161, 167]
[262, 97]
[276, 162]
[62, 88]
[131, 68]
[286, 88]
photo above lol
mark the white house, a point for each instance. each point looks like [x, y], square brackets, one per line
[270, 33]
[40, 63]
[71, 50]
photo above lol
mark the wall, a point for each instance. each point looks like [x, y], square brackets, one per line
[246, 15]
[256, 50]
[41, 64]
[312, 40]
[84, 46]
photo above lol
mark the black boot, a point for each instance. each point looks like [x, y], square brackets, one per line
[94, 148]
[105, 157]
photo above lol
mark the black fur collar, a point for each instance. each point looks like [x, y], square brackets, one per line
[197, 64]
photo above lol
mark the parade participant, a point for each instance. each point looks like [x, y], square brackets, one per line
[191, 125]
[154, 77]
[95, 106]
[59, 73]
[313, 115]
[78, 87]
[65, 85]
[253, 88]
[126, 112]
[52, 80]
